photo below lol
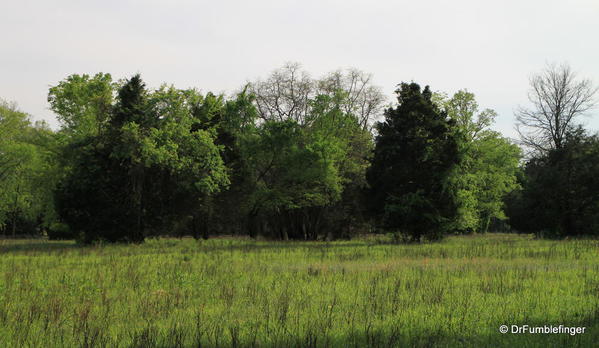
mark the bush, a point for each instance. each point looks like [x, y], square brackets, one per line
[60, 231]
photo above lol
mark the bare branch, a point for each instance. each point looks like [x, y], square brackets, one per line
[287, 93]
[558, 99]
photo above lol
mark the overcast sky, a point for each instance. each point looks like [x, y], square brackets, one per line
[488, 47]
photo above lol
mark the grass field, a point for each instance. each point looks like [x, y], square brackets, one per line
[236, 292]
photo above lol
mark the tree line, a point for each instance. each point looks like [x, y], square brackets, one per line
[294, 157]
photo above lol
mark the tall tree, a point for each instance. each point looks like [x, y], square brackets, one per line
[302, 181]
[289, 91]
[28, 172]
[234, 122]
[488, 167]
[558, 100]
[362, 100]
[148, 167]
[82, 103]
[295, 174]
[560, 191]
[338, 109]
[415, 154]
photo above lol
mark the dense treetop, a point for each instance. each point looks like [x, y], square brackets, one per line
[292, 157]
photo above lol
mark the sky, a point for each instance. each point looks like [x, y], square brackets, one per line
[490, 48]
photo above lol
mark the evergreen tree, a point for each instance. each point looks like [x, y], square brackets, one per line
[415, 153]
[149, 167]
[560, 191]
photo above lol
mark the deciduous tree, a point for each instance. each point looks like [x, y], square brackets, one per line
[488, 166]
[558, 100]
[150, 158]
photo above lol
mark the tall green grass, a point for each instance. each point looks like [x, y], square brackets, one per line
[245, 293]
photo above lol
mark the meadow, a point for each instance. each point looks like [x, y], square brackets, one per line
[231, 292]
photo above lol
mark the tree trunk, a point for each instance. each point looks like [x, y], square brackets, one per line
[15, 211]
[304, 230]
[205, 230]
[487, 223]
[251, 225]
[137, 186]
[194, 227]
[283, 228]
[14, 224]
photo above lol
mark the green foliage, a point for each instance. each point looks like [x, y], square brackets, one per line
[293, 169]
[82, 103]
[346, 217]
[28, 173]
[302, 178]
[559, 195]
[290, 153]
[149, 166]
[176, 160]
[487, 172]
[232, 121]
[415, 155]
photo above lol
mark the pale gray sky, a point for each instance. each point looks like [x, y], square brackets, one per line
[488, 47]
